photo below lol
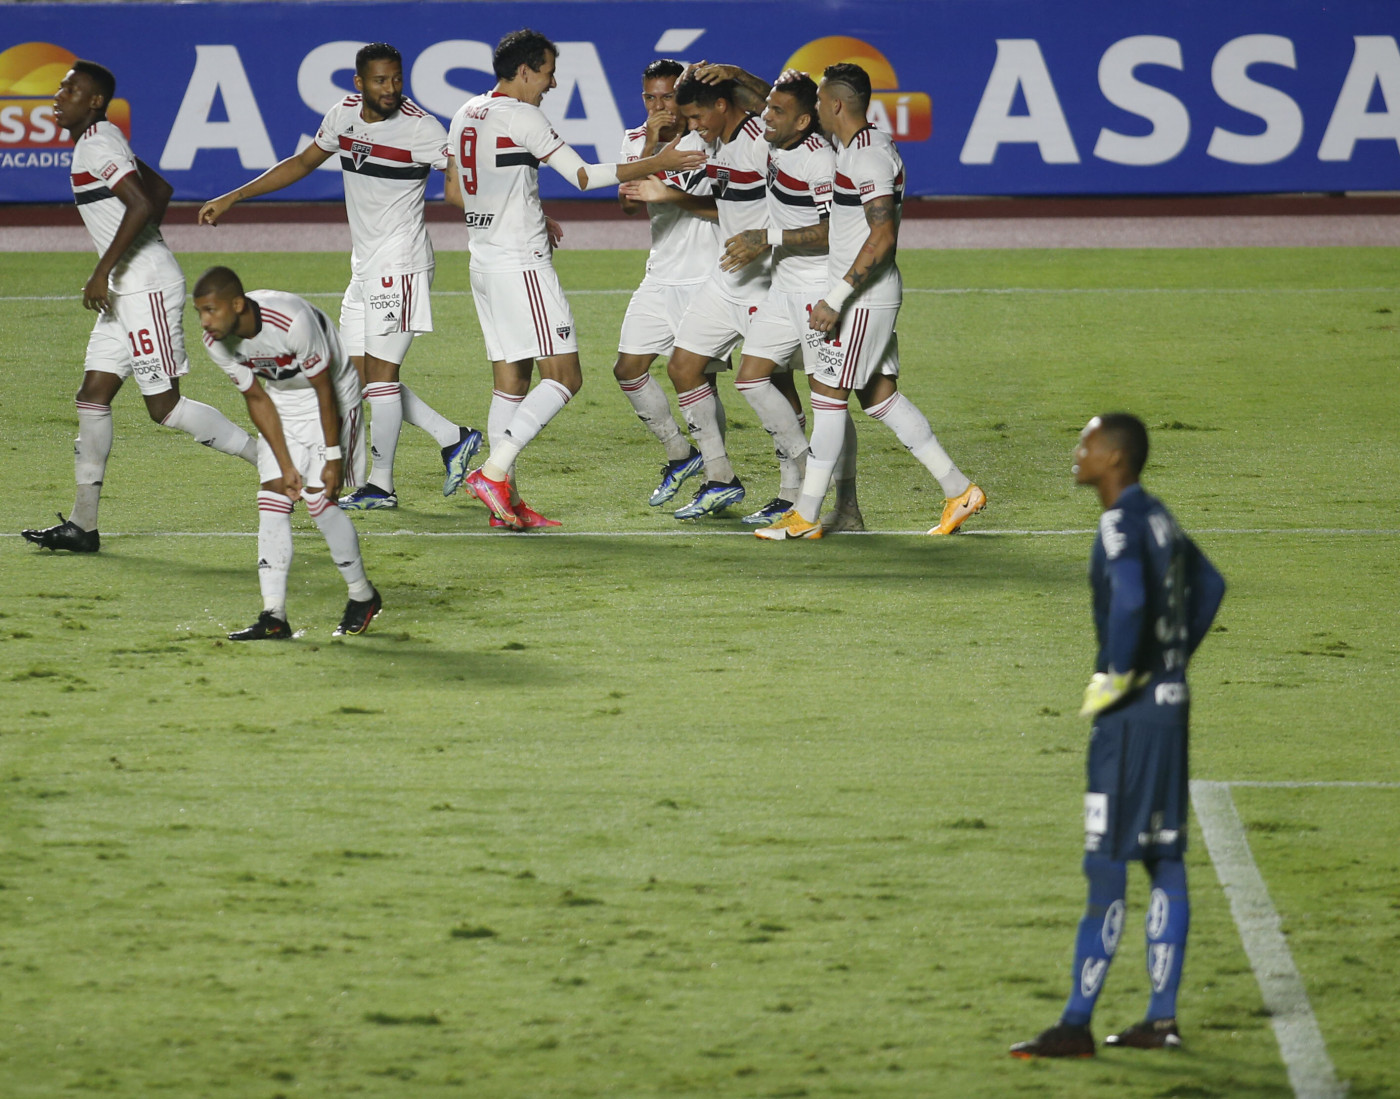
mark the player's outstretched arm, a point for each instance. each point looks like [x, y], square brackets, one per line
[135, 218]
[263, 413]
[590, 177]
[652, 189]
[282, 174]
[158, 190]
[882, 218]
[743, 248]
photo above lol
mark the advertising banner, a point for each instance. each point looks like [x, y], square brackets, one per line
[986, 97]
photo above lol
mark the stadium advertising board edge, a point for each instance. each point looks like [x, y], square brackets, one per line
[986, 97]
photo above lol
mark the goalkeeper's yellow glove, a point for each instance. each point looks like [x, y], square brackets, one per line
[1106, 688]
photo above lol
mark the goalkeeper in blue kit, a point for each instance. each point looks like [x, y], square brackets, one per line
[1155, 596]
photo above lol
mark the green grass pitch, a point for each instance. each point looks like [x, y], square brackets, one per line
[629, 815]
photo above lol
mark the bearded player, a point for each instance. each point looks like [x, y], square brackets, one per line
[860, 352]
[387, 146]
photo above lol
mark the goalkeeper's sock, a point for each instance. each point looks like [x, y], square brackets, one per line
[1168, 920]
[1099, 931]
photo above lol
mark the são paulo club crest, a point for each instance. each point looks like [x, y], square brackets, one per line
[359, 153]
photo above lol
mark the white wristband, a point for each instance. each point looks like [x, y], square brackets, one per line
[775, 236]
[837, 295]
[333, 454]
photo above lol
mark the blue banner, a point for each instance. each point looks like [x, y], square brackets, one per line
[987, 97]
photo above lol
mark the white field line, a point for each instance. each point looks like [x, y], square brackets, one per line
[1300, 1043]
[682, 532]
[908, 290]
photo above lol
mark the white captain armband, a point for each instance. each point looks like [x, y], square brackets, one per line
[568, 164]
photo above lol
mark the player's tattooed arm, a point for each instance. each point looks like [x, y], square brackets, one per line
[263, 413]
[452, 188]
[158, 190]
[743, 248]
[282, 174]
[879, 247]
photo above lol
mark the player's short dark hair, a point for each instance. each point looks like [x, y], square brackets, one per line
[376, 51]
[219, 281]
[803, 89]
[1127, 433]
[850, 76]
[99, 75]
[522, 47]
[662, 67]
[698, 92]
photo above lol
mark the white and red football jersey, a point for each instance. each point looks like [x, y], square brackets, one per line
[385, 166]
[799, 195]
[102, 159]
[866, 169]
[498, 142]
[684, 248]
[738, 172]
[295, 342]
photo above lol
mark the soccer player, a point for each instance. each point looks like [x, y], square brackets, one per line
[138, 292]
[801, 166]
[497, 142]
[684, 249]
[1155, 595]
[308, 421]
[857, 315]
[387, 146]
[714, 101]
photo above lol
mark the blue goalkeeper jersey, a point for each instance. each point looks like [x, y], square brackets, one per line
[1155, 592]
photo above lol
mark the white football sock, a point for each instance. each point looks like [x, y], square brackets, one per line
[420, 414]
[846, 467]
[343, 541]
[91, 450]
[540, 405]
[699, 407]
[503, 406]
[828, 432]
[911, 427]
[650, 404]
[274, 550]
[211, 428]
[780, 421]
[385, 400]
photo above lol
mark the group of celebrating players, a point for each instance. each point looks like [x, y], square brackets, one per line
[774, 212]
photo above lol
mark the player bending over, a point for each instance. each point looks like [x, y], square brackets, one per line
[1155, 595]
[387, 145]
[138, 292]
[308, 420]
[857, 316]
[496, 144]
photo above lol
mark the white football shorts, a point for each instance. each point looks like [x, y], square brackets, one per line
[866, 344]
[307, 446]
[714, 325]
[380, 315]
[142, 335]
[523, 314]
[779, 330]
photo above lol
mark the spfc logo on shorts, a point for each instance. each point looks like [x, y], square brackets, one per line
[359, 153]
[563, 330]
